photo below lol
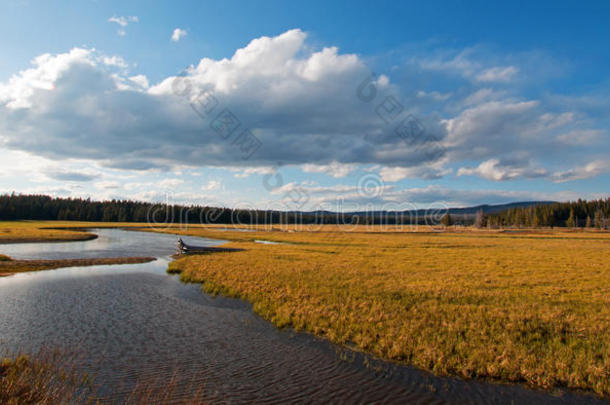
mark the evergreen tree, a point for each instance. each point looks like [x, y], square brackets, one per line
[599, 219]
[571, 221]
[446, 220]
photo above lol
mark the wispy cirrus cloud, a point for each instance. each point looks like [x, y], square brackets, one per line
[123, 22]
[589, 170]
[502, 74]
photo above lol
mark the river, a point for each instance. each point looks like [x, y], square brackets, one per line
[130, 323]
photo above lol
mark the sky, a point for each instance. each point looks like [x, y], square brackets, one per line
[306, 105]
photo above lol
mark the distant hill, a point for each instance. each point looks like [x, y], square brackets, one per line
[486, 208]
[492, 209]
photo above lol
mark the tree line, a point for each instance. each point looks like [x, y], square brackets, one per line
[581, 213]
[573, 214]
[43, 207]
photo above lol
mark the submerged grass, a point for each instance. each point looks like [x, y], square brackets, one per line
[51, 377]
[42, 379]
[510, 307]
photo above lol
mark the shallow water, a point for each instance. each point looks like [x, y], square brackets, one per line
[109, 243]
[135, 322]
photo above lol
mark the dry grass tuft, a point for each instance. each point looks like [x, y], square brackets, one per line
[49, 378]
[41, 380]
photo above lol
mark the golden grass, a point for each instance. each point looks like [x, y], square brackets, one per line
[30, 231]
[532, 307]
[43, 379]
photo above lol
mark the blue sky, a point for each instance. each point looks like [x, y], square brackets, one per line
[512, 98]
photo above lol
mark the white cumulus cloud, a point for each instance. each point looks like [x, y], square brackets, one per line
[495, 170]
[299, 103]
[177, 34]
[334, 169]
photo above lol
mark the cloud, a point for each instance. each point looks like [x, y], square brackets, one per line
[481, 96]
[170, 183]
[461, 63]
[313, 189]
[107, 185]
[300, 105]
[485, 65]
[434, 95]
[243, 173]
[52, 191]
[470, 64]
[581, 137]
[72, 176]
[589, 170]
[342, 197]
[497, 129]
[140, 80]
[495, 170]
[497, 74]
[334, 169]
[468, 197]
[212, 185]
[20, 89]
[492, 121]
[177, 34]
[123, 22]
[428, 172]
[114, 61]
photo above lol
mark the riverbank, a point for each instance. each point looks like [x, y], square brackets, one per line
[507, 307]
[12, 232]
[9, 267]
[39, 231]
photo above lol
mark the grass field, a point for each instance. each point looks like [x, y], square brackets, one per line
[521, 306]
[528, 306]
